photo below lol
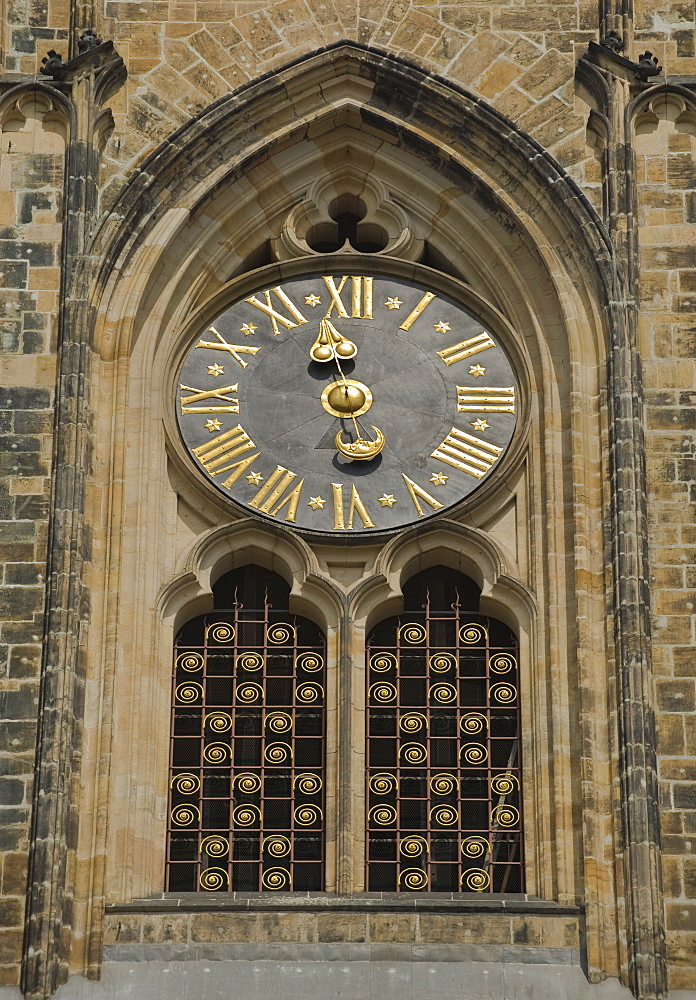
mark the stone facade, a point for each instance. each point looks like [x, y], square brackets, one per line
[544, 155]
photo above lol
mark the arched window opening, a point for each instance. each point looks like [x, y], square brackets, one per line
[444, 809]
[246, 809]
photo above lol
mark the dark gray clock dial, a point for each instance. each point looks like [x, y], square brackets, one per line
[342, 403]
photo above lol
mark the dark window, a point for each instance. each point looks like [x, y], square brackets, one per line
[246, 809]
[443, 755]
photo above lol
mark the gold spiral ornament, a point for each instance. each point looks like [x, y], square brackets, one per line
[473, 753]
[249, 692]
[308, 815]
[504, 693]
[444, 815]
[473, 634]
[278, 722]
[383, 784]
[382, 814]
[249, 661]
[383, 692]
[277, 753]
[413, 879]
[186, 783]
[220, 632]
[505, 784]
[502, 663]
[309, 662]
[216, 753]
[277, 846]
[281, 633]
[413, 847]
[246, 815]
[309, 693]
[444, 783]
[185, 815]
[476, 847]
[247, 782]
[411, 722]
[413, 753]
[476, 879]
[308, 784]
[190, 662]
[219, 722]
[445, 694]
[382, 662]
[188, 692]
[215, 847]
[473, 722]
[442, 662]
[505, 816]
[274, 879]
[413, 632]
[214, 879]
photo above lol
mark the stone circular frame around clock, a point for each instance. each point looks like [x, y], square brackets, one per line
[442, 392]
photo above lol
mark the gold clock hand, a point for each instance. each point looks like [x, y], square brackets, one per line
[360, 450]
[330, 344]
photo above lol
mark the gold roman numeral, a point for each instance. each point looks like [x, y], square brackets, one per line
[234, 349]
[216, 456]
[270, 499]
[418, 311]
[417, 493]
[356, 506]
[361, 294]
[201, 394]
[465, 348]
[485, 399]
[266, 307]
[468, 453]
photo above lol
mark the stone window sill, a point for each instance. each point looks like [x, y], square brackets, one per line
[364, 902]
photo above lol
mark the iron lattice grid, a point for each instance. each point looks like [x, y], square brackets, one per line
[247, 754]
[443, 782]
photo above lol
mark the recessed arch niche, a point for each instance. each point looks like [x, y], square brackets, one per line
[485, 199]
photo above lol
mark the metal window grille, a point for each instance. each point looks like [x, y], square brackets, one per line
[246, 802]
[444, 808]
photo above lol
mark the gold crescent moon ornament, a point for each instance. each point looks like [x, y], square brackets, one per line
[361, 450]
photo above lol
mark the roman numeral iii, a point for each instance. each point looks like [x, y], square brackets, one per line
[485, 399]
[468, 453]
[465, 348]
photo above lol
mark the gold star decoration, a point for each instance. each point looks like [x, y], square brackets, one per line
[316, 503]
[439, 478]
[213, 425]
[216, 370]
[312, 300]
[248, 329]
[254, 478]
[480, 425]
[442, 327]
[477, 371]
[387, 500]
[393, 302]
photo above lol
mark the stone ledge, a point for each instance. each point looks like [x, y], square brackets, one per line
[346, 952]
[366, 902]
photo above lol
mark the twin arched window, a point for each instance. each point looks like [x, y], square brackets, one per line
[248, 746]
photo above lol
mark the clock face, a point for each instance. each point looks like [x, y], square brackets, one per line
[340, 403]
